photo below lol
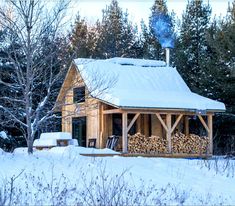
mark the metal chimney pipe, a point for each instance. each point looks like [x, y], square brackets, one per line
[167, 57]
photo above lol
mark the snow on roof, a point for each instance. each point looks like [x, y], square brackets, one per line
[139, 62]
[139, 83]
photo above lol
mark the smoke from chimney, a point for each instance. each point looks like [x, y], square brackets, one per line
[162, 27]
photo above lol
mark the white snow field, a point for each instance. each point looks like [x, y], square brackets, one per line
[61, 176]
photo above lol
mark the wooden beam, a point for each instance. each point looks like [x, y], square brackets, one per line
[204, 123]
[124, 133]
[101, 125]
[148, 111]
[162, 122]
[186, 125]
[132, 121]
[112, 111]
[210, 133]
[168, 133]
[160, 111]
[176, 122]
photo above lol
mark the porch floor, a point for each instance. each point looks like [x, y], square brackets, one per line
[201, 156]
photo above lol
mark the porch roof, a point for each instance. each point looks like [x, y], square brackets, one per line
[138, 83]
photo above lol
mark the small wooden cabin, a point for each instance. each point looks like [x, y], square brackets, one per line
[122, 96]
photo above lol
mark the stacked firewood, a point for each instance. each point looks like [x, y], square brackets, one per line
[139, 143]
[192, 144]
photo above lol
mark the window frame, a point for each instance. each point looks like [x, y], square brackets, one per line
[79, 94]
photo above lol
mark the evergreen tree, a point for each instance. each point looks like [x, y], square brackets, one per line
[205, 58]
[220, 59]
[221, 69]
[117, 36]
[83, 39]
[192, 48]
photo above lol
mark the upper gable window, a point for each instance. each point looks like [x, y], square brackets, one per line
[79, 95]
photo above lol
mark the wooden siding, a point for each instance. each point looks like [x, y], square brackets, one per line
[156, 126]
[89, 108]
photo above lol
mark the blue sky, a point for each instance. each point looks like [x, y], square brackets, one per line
[139, 9]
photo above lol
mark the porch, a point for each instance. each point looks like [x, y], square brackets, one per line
[154, 122]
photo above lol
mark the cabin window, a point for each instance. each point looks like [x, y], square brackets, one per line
[79, 95]
[117, 124]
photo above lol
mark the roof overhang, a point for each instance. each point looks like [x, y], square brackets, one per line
[134, 109]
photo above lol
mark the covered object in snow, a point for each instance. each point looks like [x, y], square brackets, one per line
[53, 139]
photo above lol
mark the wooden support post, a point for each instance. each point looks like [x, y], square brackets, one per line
[210, 133]
[124, 133]
[101, 126]
[186, 125]
[168, 133]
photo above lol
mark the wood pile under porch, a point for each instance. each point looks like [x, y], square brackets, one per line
[175, 130]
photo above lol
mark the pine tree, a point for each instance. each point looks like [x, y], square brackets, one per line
[220, 58]
[116, 33]
[191, 51]
[83, 39]
[205, 58]
[221, 70]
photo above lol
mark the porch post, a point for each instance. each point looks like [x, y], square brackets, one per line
[124, 132]
[168, 133]
[210, 133]
[101, 126]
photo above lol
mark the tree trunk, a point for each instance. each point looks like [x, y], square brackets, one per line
[30, 145]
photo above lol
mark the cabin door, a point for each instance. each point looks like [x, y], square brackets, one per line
[79, 130]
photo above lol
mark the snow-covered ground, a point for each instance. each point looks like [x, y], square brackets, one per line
[62, 176]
